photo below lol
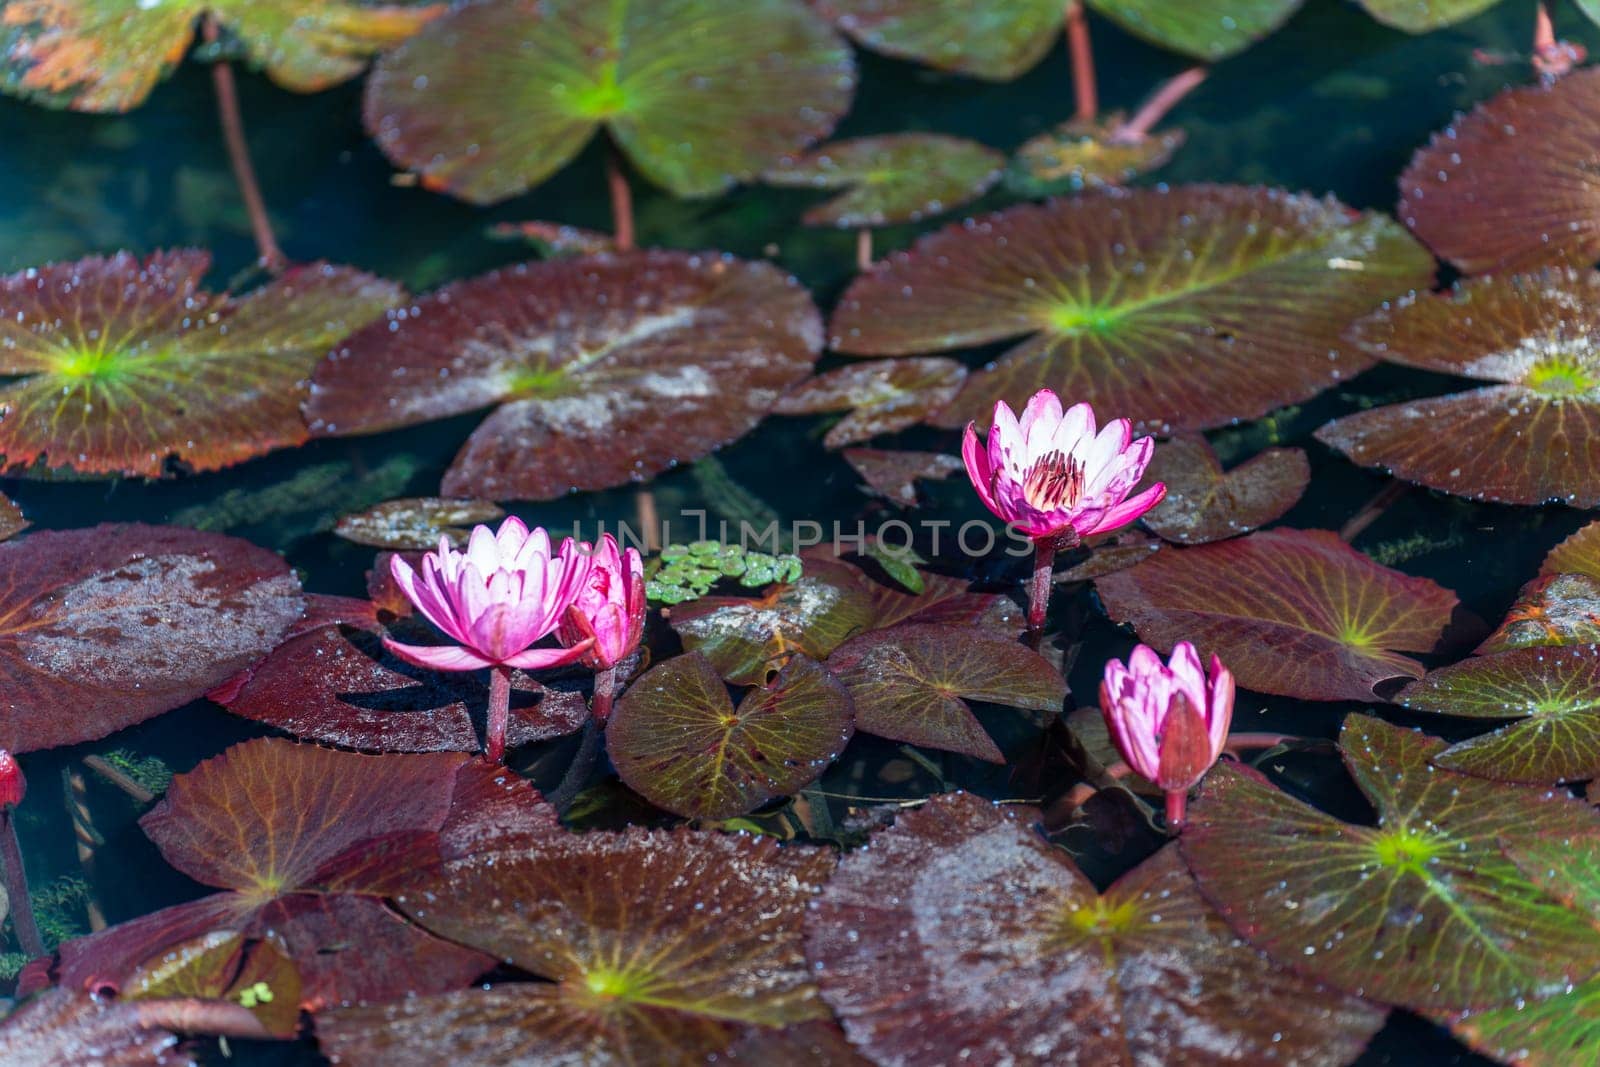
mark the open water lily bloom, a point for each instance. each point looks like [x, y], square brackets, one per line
[1050, 475]
[1169, 720]
[506, 592]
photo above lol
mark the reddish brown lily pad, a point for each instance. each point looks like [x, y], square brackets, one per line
[105, 627]
[1088, 154]
[1423, 910]
[746, 638]
[814, 1044]
[949, 601]
[1118, 552]
[677, 740]
[897, 177]
[882, 396]
[225, 966]
[106, 55]
[694, 934]
[911, 683]
[336, 682]
[609, 369]
[891, 474]
[961, 935]
[12, 521]
[306, 842]
[1294, 612]
[1205, 504]
[1554, 693]
[1512, 185]
[122, 366]
[494, 98]
[1187, 308]
[1531, 438]
[1556, 609]
[60, 1027]
[417, 523]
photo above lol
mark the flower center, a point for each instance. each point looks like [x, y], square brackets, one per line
[1055, 481]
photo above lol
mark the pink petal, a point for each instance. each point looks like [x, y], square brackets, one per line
[535, 659]
[1077, 426]
[1129, 510]
[1006, 440]
[1039, 422]
[1220, 706]
[978, 466]
[438, 657]
[1188, 676]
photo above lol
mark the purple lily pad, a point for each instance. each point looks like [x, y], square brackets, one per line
[882, 397]
[609, 369]
[898, 177]
[891, 474]
[1204, 503]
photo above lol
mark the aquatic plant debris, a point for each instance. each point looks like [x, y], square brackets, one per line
[696, 934]
[912, 682]
[1552, 693]
[678, 740]
[1294, 612]
[494, 98]
[611, 368]
[1551, 610]
[903, 177]
[882, 397]
[1084, 154]
[310, 859]
[1531, 437]
[961, 934]
[105, 627]
[416, 523]
[1205, 503]
[106, 55]
[1179, 309]
[124, 366]
[333, 681]
[1511, 185]
[1423, 910]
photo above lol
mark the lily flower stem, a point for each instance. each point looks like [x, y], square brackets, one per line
[579, 769]
[1544, 31]
[1044, 558]
[88, 839]
[16, 881]
[271, 256]
[1083, 81]
[1372, 510]
[863, 249]
[1161, 101]
[621, 200]
[494, 746]
[605, 691]
[1177, 799]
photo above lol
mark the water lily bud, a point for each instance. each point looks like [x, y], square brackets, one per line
[12, 785]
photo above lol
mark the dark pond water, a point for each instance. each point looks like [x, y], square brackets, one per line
[1333, 103]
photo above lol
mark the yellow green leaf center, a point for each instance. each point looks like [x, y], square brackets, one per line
[1405, 849]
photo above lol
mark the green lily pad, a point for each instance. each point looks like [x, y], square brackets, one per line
[224, 965]
[891, 474]
[106, 55]
[1204, 503]
[694, 934]
[1423, 910]
[898, 177]
[417, 523]
[1552, 610]
[1205, 29]
[1553, 692]
[911, 683]
[121, 365]
[996, 42]
[494, 98]
[607, 369]
[1532, 437]
[1187, 308]
[1084, 154]
[882, 396]
[1294, 612]
[677, 740]
[1421, 16]
[961, 935]
[1512, 185]
[1578, 554]
[747, 638]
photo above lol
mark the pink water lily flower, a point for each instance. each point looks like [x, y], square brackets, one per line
[1169, 720]
[1050, 475]
[495, 600]
[610, 607]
